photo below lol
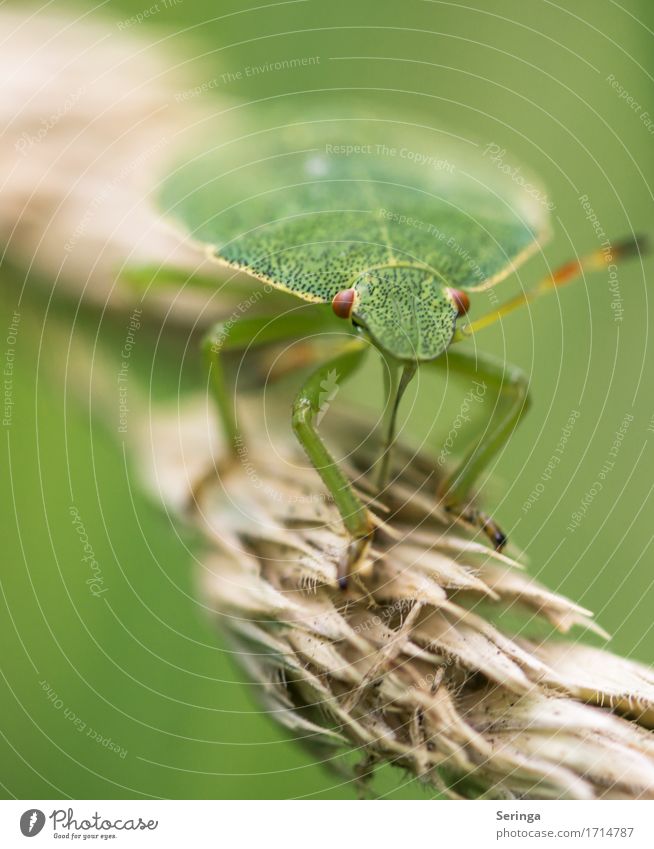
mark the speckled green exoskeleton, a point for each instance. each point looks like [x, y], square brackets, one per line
[388, 230]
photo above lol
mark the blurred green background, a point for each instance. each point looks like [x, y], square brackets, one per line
[146, 669]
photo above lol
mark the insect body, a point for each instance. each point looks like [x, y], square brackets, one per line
[341, 216]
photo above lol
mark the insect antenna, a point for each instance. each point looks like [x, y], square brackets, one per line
[595, 261]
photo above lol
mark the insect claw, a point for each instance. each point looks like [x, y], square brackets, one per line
[353, 560]
[480, 520]
[498, 538]
[492, 531]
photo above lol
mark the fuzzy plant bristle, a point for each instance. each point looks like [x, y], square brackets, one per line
[412, 664]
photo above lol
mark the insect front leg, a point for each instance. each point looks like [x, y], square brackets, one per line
[245, 333]
[510, 388]
[307, 409]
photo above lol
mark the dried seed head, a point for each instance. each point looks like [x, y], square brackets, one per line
[410, 666]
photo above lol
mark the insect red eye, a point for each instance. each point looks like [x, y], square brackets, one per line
[343, 303]
[461, 301]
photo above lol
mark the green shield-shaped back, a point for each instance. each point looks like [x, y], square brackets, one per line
[318, 206]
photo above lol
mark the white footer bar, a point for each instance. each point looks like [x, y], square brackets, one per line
[327, 825]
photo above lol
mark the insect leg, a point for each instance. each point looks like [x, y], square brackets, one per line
[510, 386]
[306, 411]
[244, 333]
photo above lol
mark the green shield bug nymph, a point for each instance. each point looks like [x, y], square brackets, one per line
[390, 230]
